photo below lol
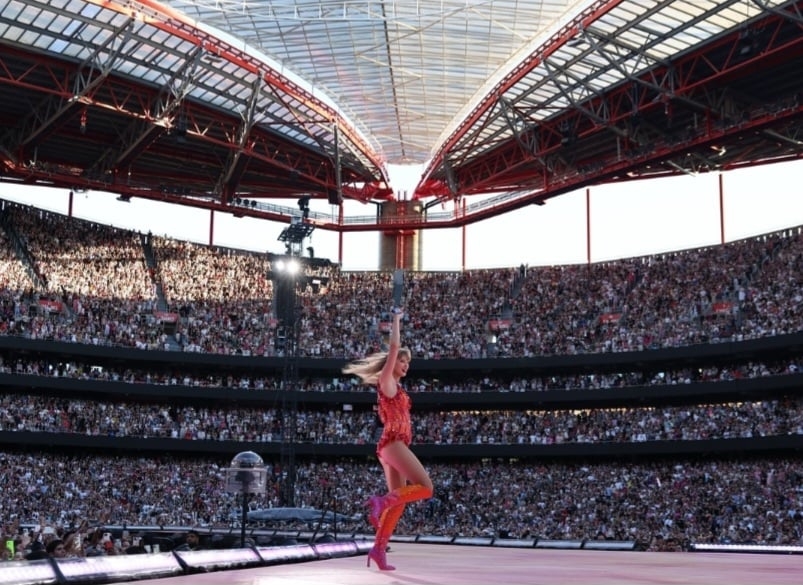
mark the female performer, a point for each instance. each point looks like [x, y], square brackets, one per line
[406, 477]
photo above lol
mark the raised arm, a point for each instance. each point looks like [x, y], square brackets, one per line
[387, 378]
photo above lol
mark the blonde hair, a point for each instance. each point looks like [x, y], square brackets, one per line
[368, 368]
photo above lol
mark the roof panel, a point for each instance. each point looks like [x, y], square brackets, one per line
[408, 76]
[438, 54]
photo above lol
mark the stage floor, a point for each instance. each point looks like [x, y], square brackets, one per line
[434, 564]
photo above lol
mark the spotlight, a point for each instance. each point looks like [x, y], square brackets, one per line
[293, 267]
[287, 266]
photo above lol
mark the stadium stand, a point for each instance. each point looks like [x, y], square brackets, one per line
[651, 399]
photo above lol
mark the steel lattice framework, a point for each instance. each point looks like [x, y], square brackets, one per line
[226, 105]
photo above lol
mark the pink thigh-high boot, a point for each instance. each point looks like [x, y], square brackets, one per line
[402, 495]
[384, 514]
[387, 524]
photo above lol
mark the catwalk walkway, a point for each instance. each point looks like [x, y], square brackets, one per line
[434, 564]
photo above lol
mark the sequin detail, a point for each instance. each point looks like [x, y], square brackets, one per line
[395, 416]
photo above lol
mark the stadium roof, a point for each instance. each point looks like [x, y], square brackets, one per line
[228, 104]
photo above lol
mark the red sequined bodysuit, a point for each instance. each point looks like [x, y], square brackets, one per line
[395, 415]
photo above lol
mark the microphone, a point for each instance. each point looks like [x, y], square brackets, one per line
[398, 290]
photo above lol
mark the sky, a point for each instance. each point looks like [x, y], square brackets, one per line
[627, 219]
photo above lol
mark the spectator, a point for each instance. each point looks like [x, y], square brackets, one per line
[192, 541]
[56, 549]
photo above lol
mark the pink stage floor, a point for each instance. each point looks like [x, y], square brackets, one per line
[433, 564]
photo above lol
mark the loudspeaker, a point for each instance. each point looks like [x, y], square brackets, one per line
[335, 197]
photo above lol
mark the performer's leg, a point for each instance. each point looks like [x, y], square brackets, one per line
[400, 464]
[390, 517]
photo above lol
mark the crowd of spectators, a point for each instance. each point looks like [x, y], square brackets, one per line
[744, 419]
[660, 504]
[264, 422]
[223, 298]
[59, 540]
[96, 285]
[77, 370]
[104, 418]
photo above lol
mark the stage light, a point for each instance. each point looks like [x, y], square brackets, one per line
[27, 573]
[475, 540]
[303, 205]
[295, 234]
[216, 559]
[610, 544]
[569, 544]
[118, 568]
[747, 548]
[364, 546]
[514, 542]
[289, 266]
[286, 554]
[330, 550]
[435, 539]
